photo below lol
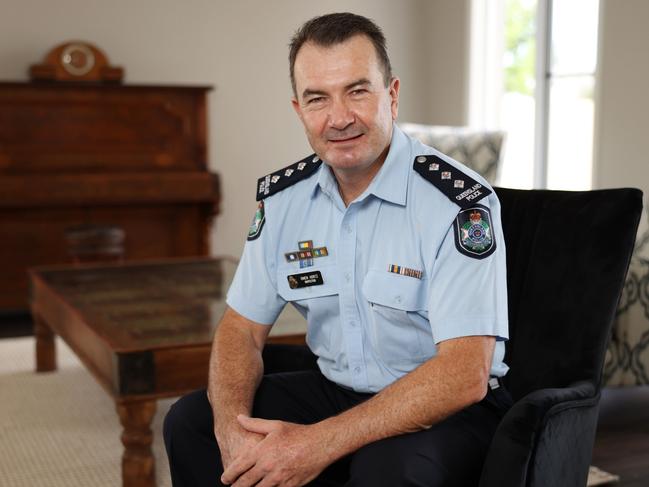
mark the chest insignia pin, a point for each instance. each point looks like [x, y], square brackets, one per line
[405, 271]
[306, 253]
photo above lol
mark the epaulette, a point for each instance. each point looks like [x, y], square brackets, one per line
[456, 185]
[287, 176]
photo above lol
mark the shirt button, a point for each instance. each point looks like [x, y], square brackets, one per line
[357, 370]
[348, 228]
[398, 299]
[348, 276]
[352, 323]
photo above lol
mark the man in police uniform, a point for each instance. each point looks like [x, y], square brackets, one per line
[394, 254]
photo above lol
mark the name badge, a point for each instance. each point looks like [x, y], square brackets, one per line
[305, 279]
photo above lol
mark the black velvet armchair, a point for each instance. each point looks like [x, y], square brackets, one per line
[567, 256]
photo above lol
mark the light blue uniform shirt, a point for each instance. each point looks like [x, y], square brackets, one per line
[367, 325]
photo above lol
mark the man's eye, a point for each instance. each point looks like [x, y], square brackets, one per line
[359, 91]
[317, 99]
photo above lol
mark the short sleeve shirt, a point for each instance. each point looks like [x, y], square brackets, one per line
[382, 281]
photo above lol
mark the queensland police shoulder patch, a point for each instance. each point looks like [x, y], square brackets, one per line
[257, 222]
[474, 234]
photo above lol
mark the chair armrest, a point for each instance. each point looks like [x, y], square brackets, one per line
[546, 438]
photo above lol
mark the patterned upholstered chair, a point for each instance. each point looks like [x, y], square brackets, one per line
[477, 149]
[627, 359]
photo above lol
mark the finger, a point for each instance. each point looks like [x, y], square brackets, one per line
[257, 425]
[239, 465]
[266, 482]
[251, 477]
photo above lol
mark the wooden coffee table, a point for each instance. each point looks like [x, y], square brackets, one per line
[144, 331]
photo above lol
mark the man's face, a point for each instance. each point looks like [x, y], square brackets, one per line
[343, 103]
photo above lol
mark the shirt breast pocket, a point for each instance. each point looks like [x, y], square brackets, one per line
[400, 334]
[318, 302]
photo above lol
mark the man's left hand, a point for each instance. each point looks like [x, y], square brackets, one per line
[290, 455]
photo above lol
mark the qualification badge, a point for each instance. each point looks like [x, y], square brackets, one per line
[257, 222]
[306, 253]
[473, 232]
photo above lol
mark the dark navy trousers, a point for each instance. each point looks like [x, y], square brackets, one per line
[449, 454]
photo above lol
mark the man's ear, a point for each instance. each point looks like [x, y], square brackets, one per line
[297, 107]
[395, 84]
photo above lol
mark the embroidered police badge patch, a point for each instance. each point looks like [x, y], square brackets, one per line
[257, 222]
[473, 232]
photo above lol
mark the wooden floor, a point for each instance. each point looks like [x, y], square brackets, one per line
[621, 445]
[622, 442]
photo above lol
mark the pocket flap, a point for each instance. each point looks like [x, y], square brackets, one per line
[395, 291]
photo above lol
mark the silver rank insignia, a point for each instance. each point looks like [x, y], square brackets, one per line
[455, 184]
[287, 176]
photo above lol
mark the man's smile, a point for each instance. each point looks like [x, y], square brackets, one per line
[346, 138]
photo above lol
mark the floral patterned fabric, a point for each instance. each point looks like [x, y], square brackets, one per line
[627, 358]
[477, 149]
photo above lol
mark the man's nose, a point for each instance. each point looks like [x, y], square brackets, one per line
[340, 115]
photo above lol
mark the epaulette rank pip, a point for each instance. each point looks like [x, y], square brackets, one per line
[288, 176]
[456, 185]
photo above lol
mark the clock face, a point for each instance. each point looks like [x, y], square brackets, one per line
[77, 59]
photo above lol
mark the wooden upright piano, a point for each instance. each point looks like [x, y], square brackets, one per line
[79, 153]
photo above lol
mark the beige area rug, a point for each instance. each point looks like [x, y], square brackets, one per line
[600, 477]
[61, 428]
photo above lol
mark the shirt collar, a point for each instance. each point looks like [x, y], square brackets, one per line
[389, 184]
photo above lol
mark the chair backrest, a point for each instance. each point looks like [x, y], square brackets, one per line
[478, 149]
[567, 256]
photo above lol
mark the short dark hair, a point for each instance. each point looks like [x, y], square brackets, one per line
[331, 29]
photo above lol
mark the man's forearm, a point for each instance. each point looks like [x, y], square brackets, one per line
[236, 368]
[425, 396]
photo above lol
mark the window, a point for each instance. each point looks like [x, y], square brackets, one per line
[533, 68]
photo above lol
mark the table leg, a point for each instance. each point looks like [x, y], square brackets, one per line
[138, 464]
[45, 346]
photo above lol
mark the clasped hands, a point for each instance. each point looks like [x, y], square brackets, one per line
[274, 453]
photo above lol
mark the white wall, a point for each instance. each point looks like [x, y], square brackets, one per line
[241, 48]
[447, 29]
[621, 136]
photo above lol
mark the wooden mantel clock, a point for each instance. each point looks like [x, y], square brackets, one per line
[76, 61]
